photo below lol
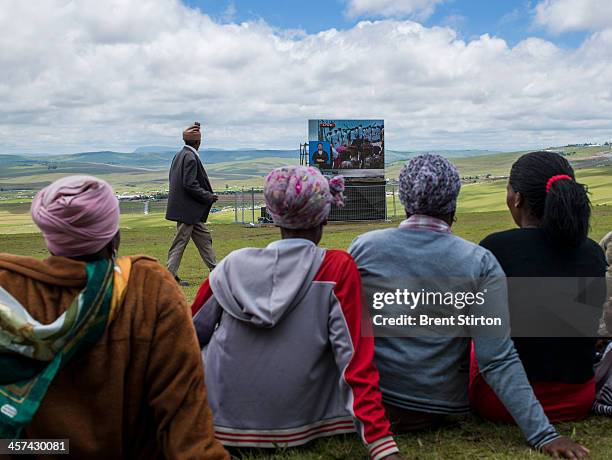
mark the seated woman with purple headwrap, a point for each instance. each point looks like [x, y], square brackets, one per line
[424, 372]
[97, 348]
[281, 332]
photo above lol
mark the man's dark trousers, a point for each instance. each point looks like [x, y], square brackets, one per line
[189, 201]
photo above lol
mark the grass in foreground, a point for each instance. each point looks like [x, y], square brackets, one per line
[468, 438]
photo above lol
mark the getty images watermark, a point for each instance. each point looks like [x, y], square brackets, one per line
[483, 307]
[413, 300]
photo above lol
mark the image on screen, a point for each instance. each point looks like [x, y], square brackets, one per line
[320, 154]
[357, 147]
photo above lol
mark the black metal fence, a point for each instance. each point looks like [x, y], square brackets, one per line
[362, 203]
[247, 206]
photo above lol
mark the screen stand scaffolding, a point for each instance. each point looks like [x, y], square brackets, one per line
[304, 155]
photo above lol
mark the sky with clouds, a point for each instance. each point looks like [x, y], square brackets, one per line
[447, 74]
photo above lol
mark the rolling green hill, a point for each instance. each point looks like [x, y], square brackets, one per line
[145, 170]
[27, 175]
[498, 164]
[490, 195]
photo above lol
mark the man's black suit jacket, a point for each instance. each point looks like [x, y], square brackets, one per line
[191, 195]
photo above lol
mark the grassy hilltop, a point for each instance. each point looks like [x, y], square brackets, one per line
[140, 171]
[143, 171]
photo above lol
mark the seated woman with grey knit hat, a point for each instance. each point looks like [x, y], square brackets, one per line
[424, 371]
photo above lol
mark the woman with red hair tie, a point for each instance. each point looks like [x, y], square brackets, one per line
[554, 328]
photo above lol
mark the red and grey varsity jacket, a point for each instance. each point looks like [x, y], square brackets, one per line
[286, 361]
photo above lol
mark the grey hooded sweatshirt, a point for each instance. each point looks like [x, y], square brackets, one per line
[285, 360]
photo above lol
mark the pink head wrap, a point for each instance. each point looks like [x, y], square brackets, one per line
[78, 215]
[300, 197]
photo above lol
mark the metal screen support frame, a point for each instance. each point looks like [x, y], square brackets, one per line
[304, 160]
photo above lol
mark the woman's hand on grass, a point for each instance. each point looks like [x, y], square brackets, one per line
[564, 447]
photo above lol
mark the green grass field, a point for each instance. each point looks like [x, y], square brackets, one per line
[481, 210]
[467, 438]
[249, 171]
[483, 196]
[490, 195]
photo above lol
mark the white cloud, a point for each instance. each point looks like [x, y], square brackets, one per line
[416, 9]
[229, 13]
[572, 15]
[117, 75]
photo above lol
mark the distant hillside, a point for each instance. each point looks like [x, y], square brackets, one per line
[145, 160]
[146, 169]
[5, 159]
[152, 158]
[160, 157]
[391, 156]
[154, 149]
[498, 164]
[223, 156]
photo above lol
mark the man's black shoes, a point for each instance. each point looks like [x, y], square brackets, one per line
[181, 282]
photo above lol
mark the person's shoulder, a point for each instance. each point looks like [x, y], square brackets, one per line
[182, 151]
[187, 153]
[238, 258]
[501, 238]
[13, 262]
[151, 292]
[337, 265]
[464, 252]
[606, 242]
[153, 287]
[375, 236]
[596, 251]
[181, 156]
[54, 269]
[241, 253]
[143, 260]
[143, 265]
[592, 245]
[338, 256]
[463, 248]
[148, 270]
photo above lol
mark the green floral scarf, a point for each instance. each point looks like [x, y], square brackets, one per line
[31, 353]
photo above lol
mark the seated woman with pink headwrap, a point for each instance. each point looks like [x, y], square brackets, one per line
[97, 348]
[281, 331]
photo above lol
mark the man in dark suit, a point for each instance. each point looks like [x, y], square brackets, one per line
[189, 202]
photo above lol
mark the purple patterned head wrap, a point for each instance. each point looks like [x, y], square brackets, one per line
[300, 197]
[429, 184]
